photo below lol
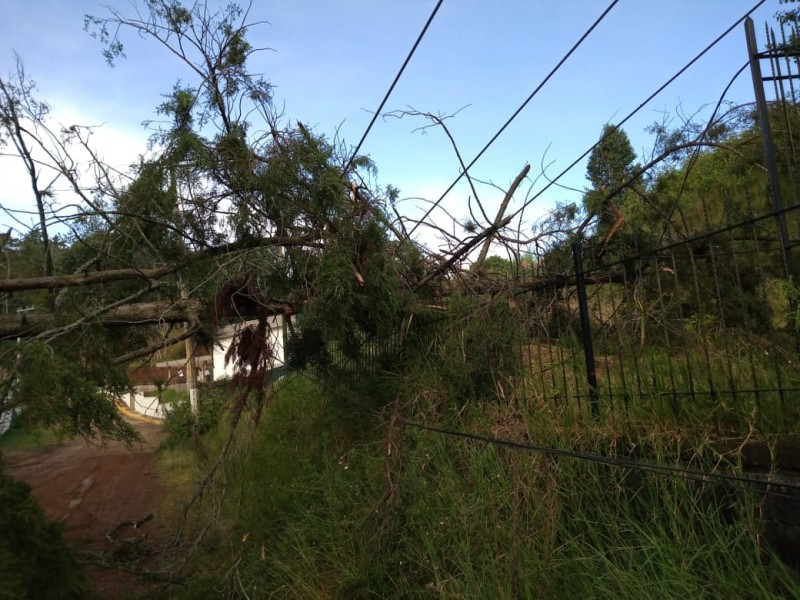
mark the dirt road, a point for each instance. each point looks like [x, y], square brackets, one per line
[92, 489]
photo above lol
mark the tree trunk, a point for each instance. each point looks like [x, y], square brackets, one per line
[145, 313]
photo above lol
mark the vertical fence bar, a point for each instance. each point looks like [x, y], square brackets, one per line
[769, 150]
[772, 168]
[586, 330]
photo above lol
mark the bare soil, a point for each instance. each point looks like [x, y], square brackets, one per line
[93, 490]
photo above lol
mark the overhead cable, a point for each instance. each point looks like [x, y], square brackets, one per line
[391, 87]
[661, 88]
[516, 113]
[636, 465]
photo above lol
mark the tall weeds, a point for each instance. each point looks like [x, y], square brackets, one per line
[343, 498]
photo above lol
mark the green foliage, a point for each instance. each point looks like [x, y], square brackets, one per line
[19, 437]
[784, 302]
[181, 426]
[24, 257]
[149, 201]
[790, 18]
[610, 162]
[34, 558]
[69, 394]
[296, 188]
[168, 395]
[325, 512]
[358, 301]
[473, 354]
[497, 267]
[609, 168]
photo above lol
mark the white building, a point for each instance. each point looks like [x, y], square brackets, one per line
[149, 406]
[5, 419]
[224, 338]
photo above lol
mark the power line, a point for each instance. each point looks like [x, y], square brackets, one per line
[611, 132]
[694, 474]
[516, 113]
[391, 87]
[616, 127]
[642, 466]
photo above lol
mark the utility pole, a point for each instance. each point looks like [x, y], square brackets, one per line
[191, 371]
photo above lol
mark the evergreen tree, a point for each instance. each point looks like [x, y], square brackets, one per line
[609, 170]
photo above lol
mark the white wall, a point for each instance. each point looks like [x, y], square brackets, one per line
[149, 406]
[7, 416]
[145, 405]
[5, 420]
[136, 402]
[225, 337]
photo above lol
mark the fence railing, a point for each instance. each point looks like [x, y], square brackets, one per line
[687, 308]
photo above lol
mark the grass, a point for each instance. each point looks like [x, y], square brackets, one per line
[318, 507]
[728, 385]
[168, 395]
[178, 470]
[20, 438]
[328, 497]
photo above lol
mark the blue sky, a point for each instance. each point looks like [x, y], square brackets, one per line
[331, 63]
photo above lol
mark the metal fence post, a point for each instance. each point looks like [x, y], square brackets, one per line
[586, 330]
[769, 150]
[772, 168]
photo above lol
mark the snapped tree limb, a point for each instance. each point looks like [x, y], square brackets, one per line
[145, 313]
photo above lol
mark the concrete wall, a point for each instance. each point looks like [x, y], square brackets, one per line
[145, 405]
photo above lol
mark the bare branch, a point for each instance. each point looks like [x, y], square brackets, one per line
[498, 219]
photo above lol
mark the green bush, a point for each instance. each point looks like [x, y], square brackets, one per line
[34, 558]
[178, 422]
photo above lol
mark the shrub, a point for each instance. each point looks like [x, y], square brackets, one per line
[34, 558]
[178, 422]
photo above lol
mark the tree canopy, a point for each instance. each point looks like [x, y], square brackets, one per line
[237, 213]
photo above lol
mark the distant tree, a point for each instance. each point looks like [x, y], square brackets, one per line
[609, 170]
[495, 266]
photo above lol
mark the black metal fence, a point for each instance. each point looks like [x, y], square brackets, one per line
[701, 324]
[690, 308]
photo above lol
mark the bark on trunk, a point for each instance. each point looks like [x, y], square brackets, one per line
[145, 313]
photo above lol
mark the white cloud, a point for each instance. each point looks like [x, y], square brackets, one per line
[116, 147]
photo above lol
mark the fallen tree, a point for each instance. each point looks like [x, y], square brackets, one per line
[236, 214]
[145, 313]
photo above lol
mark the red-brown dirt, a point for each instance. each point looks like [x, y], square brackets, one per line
[93, 489]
